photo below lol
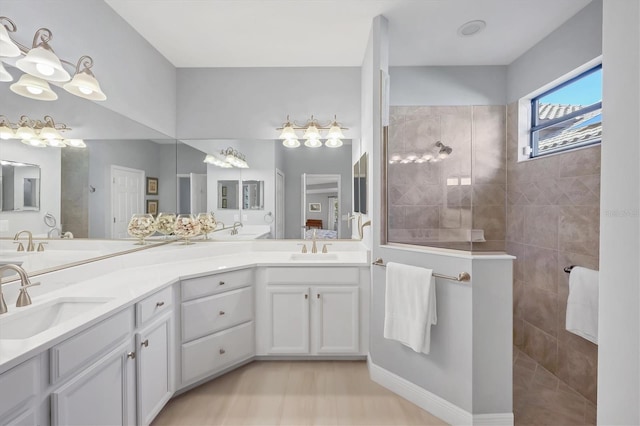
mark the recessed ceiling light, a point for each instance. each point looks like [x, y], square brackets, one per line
[471, 28]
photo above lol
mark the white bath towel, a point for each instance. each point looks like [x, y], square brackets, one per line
[410, 306]
[582, 304]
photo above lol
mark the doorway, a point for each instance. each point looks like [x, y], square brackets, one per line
[127, 198]
[279, 204]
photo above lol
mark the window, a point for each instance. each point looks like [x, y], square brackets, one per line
[568, 116]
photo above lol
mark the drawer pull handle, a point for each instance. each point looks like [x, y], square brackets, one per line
[222, 351]
[221, 283]
[145, 343]
[158, 304]
[318, 295]
[306, 296]
[131, 355]
[221, 312]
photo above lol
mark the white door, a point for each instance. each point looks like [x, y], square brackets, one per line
[198, 193]
[289, 320]
[127, 198]
[279, 204]
[154, 366]
[336, 319]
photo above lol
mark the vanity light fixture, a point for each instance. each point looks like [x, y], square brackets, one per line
[38, 133]
[435, 155]
[42, 66]
[227, 158]
[312, 133]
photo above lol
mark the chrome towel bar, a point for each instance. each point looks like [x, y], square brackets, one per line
[462, 276]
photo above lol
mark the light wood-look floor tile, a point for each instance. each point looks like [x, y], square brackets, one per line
[294, 393]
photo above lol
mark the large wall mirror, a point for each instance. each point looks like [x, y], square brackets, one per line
[19, 186]
[360, 185]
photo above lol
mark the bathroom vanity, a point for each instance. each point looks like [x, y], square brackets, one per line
[114, 340]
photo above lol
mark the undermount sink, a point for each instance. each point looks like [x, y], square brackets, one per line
[33, 321]
[310, 257]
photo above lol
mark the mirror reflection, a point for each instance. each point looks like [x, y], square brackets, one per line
[19, 186]
[360, 185]
[228, 194]
[253, 195]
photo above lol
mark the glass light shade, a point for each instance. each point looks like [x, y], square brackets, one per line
[48, 132]
[35, 142]
[76, 143]
[25, 133]
[288, 133]
[216, 161]
[313, 143]
[335, 132]
[333, 143]
[8, 48]
[412, 156]
[427, 157]
[43, 63]
[34, 88]
[311, 133]
[4, 74]
[58, 143]
[85, 85]
[6, 132]
[291, 143]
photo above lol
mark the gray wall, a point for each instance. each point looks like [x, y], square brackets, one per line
[576, 42]
[250, 103]
[472, 85]
[325, 161]
[139, 82]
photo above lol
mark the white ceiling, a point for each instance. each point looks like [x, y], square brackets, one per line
[297, 33]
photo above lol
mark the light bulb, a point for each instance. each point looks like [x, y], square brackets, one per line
[45, 69]
[85, 90]
[34, 90]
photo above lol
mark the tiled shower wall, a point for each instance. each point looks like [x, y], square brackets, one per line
[75, 192]
[553, 220]
[437, 203]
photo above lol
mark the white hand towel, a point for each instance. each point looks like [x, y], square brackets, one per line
[410, 306]
[582, 304]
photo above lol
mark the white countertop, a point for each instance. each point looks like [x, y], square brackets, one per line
[132, 277]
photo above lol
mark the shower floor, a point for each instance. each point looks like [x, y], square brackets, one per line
[540, 398]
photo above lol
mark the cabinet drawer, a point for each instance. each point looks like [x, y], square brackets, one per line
[205, 356]
[154, 305]
[214, 313]
[311, 275]
[19, 386]
[213, 284]
[84, 348]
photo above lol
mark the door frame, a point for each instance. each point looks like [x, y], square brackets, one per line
[112, 170]
[280, 229]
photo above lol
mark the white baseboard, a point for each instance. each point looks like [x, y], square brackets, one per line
[432, 403]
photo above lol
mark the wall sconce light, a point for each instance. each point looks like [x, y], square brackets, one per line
[227, 158]
[439, 153]
[312, 135]
[42, 65]
[38, 133]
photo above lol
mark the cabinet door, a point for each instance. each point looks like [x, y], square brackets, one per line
[100, 395]
[154, 365]
[289, 320]
[336, 319]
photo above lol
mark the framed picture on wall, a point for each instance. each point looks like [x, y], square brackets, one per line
[224, 191]
[315, 207]
[152, 186]
[152, 207]
[224, 203]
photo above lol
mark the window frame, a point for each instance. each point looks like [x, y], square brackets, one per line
[535, 127]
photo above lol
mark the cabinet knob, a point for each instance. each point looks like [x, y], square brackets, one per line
[221, 283]
[221, 312]
[318, 295]
[131, 355]
[222, 351]
[306, 296]
[145, 343]
[158, 304]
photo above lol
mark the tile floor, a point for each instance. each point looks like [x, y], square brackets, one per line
[540, 398]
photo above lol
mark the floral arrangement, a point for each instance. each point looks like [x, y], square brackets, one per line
[207, 223]
[186, 226]
[165, 223]
[141, 226]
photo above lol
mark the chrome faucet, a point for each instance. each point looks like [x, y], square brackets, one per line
[30, 246]
[314, 248]
[23, 297]
[234, 231]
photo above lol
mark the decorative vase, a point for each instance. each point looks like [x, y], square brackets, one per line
[207, 223]
[165, 223]
[186, 227]
[141, 226]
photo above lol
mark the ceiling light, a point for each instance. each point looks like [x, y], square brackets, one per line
[8, 48]
[312, 133]
[25, 133]
[75, 143]
[57, 143]
[38, 133]
[444, 151]
[471, 28]
[34, 88]
[35, 142]
[216, 161]
[4, 74]
[84, 83]
[42, 63]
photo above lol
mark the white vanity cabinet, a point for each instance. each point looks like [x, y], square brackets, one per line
[317, 311]
[20, 388]
[217, 327]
